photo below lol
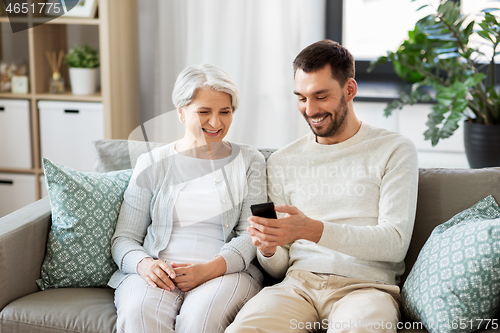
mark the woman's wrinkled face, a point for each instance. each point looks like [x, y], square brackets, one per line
[209, 115]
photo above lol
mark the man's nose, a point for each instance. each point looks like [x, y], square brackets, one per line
[311, 108]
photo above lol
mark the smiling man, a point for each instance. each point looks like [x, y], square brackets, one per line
[346, 197]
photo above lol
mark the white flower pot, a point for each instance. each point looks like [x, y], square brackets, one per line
[83, 80]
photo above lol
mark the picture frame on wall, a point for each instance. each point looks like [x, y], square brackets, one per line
[73, 8]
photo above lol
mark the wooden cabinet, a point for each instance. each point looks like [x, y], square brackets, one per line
[116, 26]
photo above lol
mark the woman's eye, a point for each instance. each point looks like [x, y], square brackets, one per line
[302, 99]
[203, 112]
[226, 112]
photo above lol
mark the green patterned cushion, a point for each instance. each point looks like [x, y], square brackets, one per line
[454, 285]
[85, 207]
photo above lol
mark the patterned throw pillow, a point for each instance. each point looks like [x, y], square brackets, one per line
[85, 207]
[454, 285]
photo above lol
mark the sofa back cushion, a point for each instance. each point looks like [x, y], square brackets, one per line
[113, 155]
[442, 193]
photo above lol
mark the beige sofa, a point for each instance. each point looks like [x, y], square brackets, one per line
[23, 236]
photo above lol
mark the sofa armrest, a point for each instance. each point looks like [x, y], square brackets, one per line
[23, 239]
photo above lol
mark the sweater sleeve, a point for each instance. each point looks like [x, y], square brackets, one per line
[134, 218]
[239, 251]
[277, 264]
[390, 238]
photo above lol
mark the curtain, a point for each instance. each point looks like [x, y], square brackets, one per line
[255, 41]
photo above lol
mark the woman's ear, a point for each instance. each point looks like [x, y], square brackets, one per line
[180, 114]
[351, 87]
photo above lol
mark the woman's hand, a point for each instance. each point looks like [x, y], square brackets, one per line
[190, 276]
[157, 273]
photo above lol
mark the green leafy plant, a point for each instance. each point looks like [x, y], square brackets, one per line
[82, 57]
[438, 54]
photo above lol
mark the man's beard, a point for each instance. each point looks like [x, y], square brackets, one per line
[337, 123]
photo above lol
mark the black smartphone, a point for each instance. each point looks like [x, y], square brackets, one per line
[264, 210]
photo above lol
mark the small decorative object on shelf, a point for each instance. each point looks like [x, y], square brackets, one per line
[7, 71]
[5, 78]
[19, 84]
[56, 82]
[84, 68]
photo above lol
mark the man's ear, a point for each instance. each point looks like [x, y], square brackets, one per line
[351, 87]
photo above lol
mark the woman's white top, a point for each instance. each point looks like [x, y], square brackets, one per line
[197, 234]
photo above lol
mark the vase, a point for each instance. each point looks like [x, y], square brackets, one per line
[83, 80]
[482, 145]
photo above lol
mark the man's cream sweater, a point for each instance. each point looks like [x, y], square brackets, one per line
[364, 190]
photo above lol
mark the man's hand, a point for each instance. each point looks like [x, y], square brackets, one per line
[268, 234]
[268, 249]
[156, 273]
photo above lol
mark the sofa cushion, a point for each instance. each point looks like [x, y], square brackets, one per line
[454, 285]
[112, 155]
[85, 208]
[89, 310]
[442, 193]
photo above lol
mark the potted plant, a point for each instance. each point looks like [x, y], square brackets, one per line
[83, 62]
[443, 65]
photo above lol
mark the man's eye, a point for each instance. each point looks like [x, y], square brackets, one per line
[302, 99]
[322, 98]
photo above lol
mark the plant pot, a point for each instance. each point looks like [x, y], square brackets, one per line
[482, 145]
[83, 80]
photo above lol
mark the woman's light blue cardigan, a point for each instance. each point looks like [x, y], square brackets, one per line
[145, 222]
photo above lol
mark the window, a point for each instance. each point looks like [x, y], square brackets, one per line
[472, 7]
[372, 27]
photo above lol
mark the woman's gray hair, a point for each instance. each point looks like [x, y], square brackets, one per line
[196, 77]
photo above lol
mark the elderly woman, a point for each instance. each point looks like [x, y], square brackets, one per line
[181, 244]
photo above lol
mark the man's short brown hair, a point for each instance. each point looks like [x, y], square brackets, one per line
[326, 52]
